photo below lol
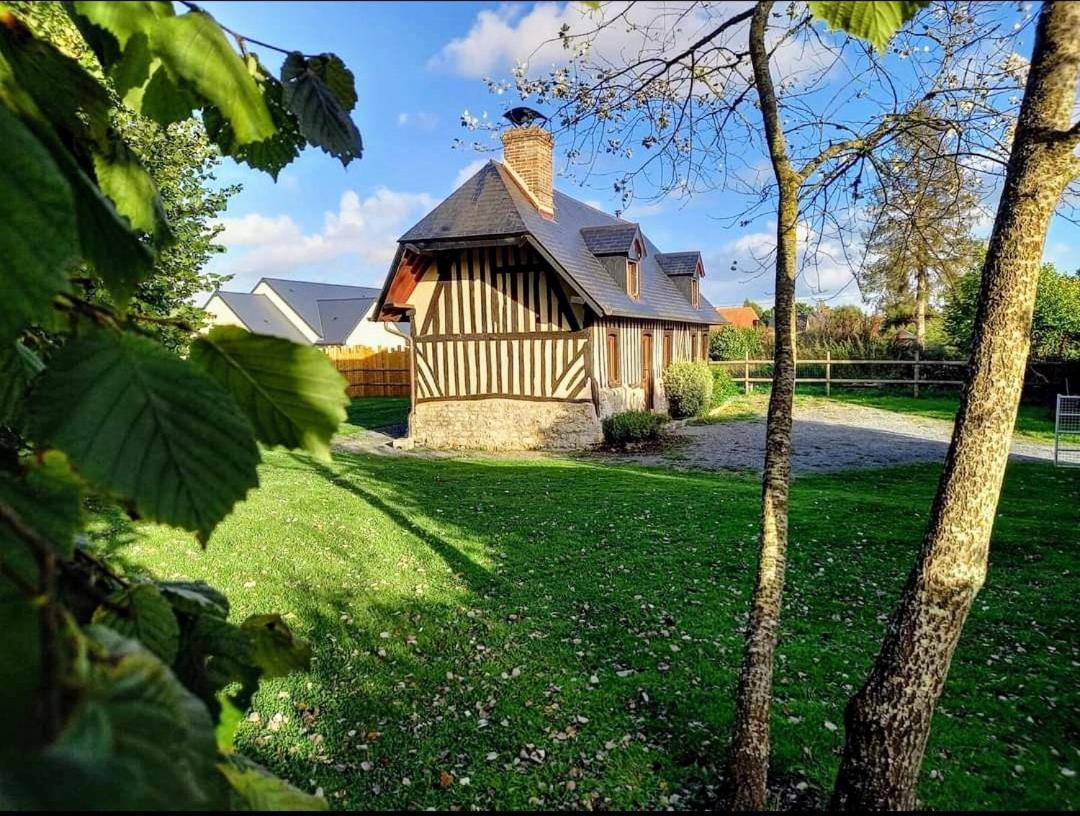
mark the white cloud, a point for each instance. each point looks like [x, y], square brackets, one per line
[745, 268]
[507, 36]
[355, 244]
[468, 171]
[424, 120]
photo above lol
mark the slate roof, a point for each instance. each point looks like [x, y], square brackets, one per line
[330, 310]
[610, 239]
[679, 263]
[338, 318]
[491, 205]
[304, 298]
[261, 316]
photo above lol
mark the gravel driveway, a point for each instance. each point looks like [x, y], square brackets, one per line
[827, 436]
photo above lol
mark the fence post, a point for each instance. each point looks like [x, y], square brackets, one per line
[828, 373]
[916, 377]
[746, 375]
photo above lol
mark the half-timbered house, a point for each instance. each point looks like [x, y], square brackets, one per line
[535, 315]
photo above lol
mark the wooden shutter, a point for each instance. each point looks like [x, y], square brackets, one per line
[613, 358]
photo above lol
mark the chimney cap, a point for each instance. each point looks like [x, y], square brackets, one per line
[523, 117]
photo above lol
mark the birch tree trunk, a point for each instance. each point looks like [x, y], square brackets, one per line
[888, 720]
[750, 748]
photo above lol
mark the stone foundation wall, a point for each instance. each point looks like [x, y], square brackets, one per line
[505, 424]
[619, 398]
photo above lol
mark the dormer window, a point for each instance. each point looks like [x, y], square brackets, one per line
[633, 279]
[695, 293]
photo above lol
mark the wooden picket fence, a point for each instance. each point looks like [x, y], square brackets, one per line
[372, 372]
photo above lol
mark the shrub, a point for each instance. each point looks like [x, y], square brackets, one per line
[632, 426]
[732, 343]
[689, 387]
[1055, 325]
[723, 386]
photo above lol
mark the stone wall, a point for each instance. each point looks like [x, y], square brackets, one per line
[505, 424]
[618, 398]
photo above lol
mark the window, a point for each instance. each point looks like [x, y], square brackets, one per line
[667, 349]
[695, 299]
[705, 346]
[633, 279]
[612, 358]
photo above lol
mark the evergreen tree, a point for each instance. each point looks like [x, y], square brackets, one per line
[921, 215]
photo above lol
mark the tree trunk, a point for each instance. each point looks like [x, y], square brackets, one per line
[922, 294]
[888, 720]
[750, 745]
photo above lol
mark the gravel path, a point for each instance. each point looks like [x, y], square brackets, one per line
[826, 437]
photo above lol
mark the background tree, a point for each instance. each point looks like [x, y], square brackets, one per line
[121, 693]
[1055, 323]
[921, 214]
[888, 720]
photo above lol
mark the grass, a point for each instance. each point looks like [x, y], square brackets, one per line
[1032, 422]
[555, 634]
[368, 413]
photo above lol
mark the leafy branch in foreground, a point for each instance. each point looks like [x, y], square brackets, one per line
[131, 690]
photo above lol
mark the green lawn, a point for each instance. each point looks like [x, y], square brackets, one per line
[365, 413]
[1032, 422]
[549, 633]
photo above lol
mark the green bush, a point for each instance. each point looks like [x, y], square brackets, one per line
[632, 426]
[1055, 325]
[689, 388]
[732, 343]
[723, 386]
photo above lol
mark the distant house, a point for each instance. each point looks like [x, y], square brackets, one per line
[323, 314]
[742, 317]
[535, 315]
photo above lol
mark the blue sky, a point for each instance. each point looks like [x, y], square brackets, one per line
[418, 66]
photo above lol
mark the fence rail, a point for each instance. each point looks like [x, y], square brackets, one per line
[916, 381]
[373, 372]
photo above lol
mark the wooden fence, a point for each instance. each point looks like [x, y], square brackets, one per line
[373, 372]
[743, 367]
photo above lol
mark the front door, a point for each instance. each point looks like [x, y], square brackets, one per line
[646, 369]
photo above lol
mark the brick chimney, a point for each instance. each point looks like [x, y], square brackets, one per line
[527, 152]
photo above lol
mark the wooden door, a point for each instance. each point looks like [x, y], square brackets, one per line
[646, 369]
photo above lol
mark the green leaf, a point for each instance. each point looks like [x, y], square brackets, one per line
[258, 789]
[213, 654]
[108, 243]
[139, 739]
[339, 79]
[124, 20]
[122, 177]
[142, 613]
[147, 426]
[20, 670]
[195, 598]
[105, 237]
[146, 87]
[47, 498]
[38, 239]
[194, 50]
[64, 93]
[228, 722]
[323, 114]
[292, 393]
[18, 367]
[876, 21]
[270, 155]
[274, 648]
